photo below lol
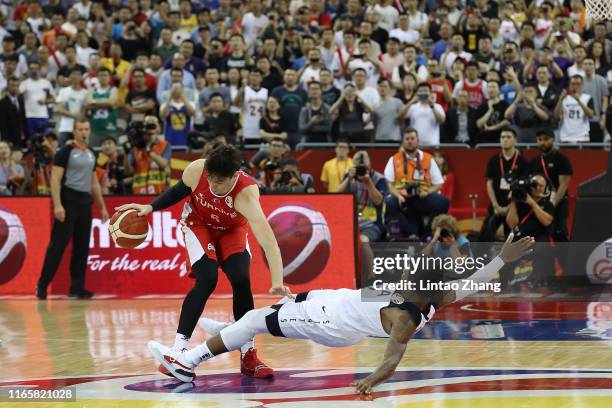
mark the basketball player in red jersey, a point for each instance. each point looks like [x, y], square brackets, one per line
[222, 201]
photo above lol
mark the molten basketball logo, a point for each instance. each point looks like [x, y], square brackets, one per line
[304, 240]
[12, 245]
[599, 264]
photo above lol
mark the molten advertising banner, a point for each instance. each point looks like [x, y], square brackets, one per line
[316, 234]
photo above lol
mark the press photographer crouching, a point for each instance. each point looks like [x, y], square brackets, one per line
[147, 157]
[369, 188]
[531, 214]
[288, 179]
[447, 241]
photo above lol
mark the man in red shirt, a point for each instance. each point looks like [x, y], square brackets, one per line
[222, 201]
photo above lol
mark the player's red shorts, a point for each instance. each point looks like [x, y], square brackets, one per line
[215, 244]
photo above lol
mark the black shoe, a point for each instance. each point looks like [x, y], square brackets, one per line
[41, 293]
[80, 294]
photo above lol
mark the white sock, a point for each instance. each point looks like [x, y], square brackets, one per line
[198, 354]
[180, 341]
[247, 346]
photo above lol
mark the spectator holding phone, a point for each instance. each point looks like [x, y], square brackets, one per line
[574, 110]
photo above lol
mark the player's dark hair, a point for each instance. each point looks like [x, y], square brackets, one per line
[223, 161]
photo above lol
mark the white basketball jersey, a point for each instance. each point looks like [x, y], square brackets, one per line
[575, 124]
[253, 109]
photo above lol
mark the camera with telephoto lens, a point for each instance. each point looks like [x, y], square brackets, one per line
[411, 190]
[196, 140]
[444, 233]
[137, 135]
[37, 148]
[361, 170]
[286, 176]
[520, 188]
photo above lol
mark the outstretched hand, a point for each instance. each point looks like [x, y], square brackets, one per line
[513, 251]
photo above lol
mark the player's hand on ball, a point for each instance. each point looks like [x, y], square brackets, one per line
[513, 251]
[143, 209]
[363, 386]
[280, 290]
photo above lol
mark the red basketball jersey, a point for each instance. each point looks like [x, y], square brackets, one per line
[475, 95]
[217, 212]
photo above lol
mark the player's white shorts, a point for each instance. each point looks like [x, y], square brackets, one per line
[333, 318]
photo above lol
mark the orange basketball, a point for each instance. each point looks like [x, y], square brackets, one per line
[127, 229]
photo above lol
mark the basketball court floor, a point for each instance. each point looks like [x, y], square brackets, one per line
[549, 351]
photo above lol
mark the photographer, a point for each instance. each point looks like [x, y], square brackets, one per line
[110, 168]
[369, 188]
[414, 182]
[447, 241]
[43, 151]
[147, 157]
[531, 214]
[288, 179]
[266, 161]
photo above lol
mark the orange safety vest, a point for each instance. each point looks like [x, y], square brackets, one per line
[405, 169]
[149, 179]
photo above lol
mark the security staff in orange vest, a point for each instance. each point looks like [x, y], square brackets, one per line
[414, 181]
[149, 165]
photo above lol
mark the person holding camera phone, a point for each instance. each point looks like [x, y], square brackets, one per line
[531, 214]
[147, 158]
[574, 110]
[370, 189]
[288, 179]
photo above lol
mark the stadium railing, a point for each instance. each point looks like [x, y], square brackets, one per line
[302, 146]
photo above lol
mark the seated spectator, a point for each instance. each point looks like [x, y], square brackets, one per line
[270, 125]
[349, 109]
[178, 113]
[334, 169]
[11, 173]
[370, 189]
[414, 182]
[288, 179]
[447, 241]
[218, 121]
[528, 114]
[110, 169]
[573, 111]
[315, 120]
[460, 124]
[425, 116]
[266, 161]
[448, 188]
[149, 164]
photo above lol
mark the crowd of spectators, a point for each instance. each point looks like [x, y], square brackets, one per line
[152, 75]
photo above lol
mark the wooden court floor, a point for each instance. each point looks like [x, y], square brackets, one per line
[487, 353]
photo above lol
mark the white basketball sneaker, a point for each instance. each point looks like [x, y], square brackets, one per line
[212, 327]
[173, 360]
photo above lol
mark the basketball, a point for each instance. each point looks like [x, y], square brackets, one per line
[127, 229]
[12, 245]
[304, 240]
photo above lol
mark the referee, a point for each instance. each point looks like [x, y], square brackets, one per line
[74, 186]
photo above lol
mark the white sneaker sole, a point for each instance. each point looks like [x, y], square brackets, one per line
[155, 349]
[212, 327]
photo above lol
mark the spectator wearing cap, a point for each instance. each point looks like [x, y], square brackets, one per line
[460, 124]
[426, 116]
[492, 115]
[475, 87]
[70, 105]
[334, 170]
[12, 115]
[596, 86]
[528, 114]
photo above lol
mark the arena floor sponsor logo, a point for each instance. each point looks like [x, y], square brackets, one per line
[295, 385]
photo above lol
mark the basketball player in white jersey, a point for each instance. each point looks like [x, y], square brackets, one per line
[254, 99]
[338, 318]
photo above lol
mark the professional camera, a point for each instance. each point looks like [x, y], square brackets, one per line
[271, 165]
[286, 176]
[444, 233]
[411, 190]
[520, 188]
[37, 148]
[361, 170]
[196, 140]
[137, 135]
